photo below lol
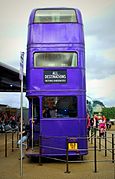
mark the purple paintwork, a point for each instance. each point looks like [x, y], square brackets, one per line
[66, 37]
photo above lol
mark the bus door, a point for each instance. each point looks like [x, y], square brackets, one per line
[35, 117]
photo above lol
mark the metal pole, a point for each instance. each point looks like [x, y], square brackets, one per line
[17, 139]
[6, 154]
[21, 163]
[21, 106]
[32, 126]
[105, 144]
[112, 148]
[67, 157]
[99, 143]
[12, 141]
[92, 135]
[95, 155]
[40, 150]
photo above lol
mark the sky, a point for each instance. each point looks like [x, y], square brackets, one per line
[99, 29]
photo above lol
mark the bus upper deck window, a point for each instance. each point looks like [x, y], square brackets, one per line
[55, 59]
[55, 16]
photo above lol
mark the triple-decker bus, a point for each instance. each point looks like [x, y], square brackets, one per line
[55, 82]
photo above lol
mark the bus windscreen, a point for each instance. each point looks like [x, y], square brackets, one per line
[55, 16]
[57, 59]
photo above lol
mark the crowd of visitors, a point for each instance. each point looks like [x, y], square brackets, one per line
[8, 122]
[97, 122]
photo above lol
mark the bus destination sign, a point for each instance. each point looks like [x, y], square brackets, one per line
[55, 76]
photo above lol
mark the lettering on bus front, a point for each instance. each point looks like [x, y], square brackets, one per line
[55, 76]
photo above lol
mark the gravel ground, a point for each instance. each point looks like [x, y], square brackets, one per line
[10, 166]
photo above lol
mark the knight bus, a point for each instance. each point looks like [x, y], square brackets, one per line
[55, 82]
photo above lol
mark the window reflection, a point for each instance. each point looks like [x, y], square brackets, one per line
[55, 59]
[55, 15]
[59, 107]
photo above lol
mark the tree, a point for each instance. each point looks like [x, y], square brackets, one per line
[109, 113]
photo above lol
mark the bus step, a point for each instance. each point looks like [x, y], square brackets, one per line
[34, 151]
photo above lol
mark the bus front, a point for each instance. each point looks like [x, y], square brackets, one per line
[56, 80]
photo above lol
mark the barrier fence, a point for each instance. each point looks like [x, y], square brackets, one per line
[106, 144]
[102, 146]
[13, 142]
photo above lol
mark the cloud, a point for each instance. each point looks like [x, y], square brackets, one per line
[110, 53]
[13, 99]
[100, 46]
[99, 63]
[100, 57]
[99, 26]
[102, 89]
[103, 28]
[10, 50]
[99, 68]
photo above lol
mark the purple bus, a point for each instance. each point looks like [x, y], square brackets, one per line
[55, 82]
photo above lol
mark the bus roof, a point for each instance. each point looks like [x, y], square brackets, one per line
[77, 13]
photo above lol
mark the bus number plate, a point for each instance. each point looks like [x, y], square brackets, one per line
[72, 146]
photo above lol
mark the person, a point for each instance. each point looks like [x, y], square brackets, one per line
[50, 110]
[95, 121]
[25, 135]
[91, 123]
[102, 127]
[1, 125]
[88, 124]
[108, 124]
[13, 122]
[104, 118]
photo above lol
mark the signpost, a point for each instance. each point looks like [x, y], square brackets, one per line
[21, 106]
